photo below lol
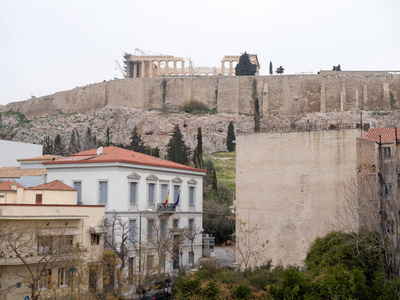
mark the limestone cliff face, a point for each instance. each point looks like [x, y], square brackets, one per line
[156, 126]
[279, 96]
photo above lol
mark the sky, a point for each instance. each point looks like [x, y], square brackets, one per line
[51, 46]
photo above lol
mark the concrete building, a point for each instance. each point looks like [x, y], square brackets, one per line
[134, 187]
[290, 185]
[11, 151]
[31, 171]
[48, 241]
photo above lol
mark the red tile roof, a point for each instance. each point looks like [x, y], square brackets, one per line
[55, 185]
[387, 135]
[6, 185]
[17, 172]
[116, 154]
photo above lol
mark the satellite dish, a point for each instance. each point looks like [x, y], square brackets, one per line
[99, 150]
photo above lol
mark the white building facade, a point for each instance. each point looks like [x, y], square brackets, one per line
[134, 186]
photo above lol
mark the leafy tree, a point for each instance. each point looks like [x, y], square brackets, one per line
[337, 68]
[256, 116]
[245, 67]
[74, 143]
[156, 152]
[271, 70]
[231, 137]
[198, 152]
[280, 70]
[48, 145]
[136, 143]
[176, 149]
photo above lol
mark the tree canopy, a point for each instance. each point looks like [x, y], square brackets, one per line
[245, 67]
[177, 150]
[231, 137]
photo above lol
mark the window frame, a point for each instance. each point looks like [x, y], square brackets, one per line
[153, 184]
[192, 200]
[100, 193]
[95, 239]
[136, 183]
[78, 194]
[38, 199]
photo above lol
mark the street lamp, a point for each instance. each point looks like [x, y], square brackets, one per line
[140, 244]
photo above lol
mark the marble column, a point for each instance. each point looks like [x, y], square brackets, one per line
[150, 69]
[222, 68]
[142, 75]
[135, 66]
[166, 68]
[175, 68]
[183, 67]
[159, 68]
[230, 68]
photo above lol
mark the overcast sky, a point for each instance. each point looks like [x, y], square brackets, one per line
[50, 46]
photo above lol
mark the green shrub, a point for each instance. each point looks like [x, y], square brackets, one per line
[242, 291]
[211, 291]
[195, 107]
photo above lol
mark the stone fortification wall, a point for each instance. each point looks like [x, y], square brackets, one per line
[291, 185]
[281, 95]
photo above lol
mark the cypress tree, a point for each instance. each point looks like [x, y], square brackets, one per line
[74, 143]
[231, 137]
[271, 70]
[256, 116]
[48, 145]
[176, 149]
[89, 140]
[108, 136]
[58, 146]
[136, 143]
[198, 152]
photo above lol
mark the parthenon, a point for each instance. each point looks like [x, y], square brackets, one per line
[150, 66]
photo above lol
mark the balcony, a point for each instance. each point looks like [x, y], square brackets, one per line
[166, 208]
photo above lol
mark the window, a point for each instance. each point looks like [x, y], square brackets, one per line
[132, 193]
[163, 227]
[103, 190]
[39, 198]
[191, 227]
[176, 223]
[151, 193]
[132, 230]
[45, 280]
[191, 196]
[45, 244]
[150, 262]
[150, 228]
[93, 276]
[191, 258]
[387, 152]
[176, 193]
[164, 192]
[63, 277]
[95, 238]
[65, 243]
[163, 261]
[78, 186]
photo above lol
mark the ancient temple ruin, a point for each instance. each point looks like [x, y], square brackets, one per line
[150, 66]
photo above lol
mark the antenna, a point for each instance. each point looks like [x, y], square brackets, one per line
[99, 150]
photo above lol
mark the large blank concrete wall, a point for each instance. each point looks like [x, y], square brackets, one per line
[283, 95]
[11, 151]
[291, 185]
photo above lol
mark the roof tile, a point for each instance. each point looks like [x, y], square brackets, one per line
[7, 185]
[116, 154]
[383, 135]
[55, 185]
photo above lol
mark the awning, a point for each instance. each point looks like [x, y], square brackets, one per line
[51, 231]
[98, 230]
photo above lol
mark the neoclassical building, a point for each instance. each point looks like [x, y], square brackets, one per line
[151, 197]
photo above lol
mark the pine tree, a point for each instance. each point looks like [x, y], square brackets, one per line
[245, 67]
[156, 152]
[48, 145]
[74, 143]
[231, 137]
[280, 70]
[198, 152]
[271, 70]
[256, 116]
[136, 143]
[89, 140]
[176, 149]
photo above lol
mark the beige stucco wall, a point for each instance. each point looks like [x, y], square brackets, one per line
[290, 185]
[283, 95]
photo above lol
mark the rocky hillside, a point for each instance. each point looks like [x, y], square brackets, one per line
[156, 126]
